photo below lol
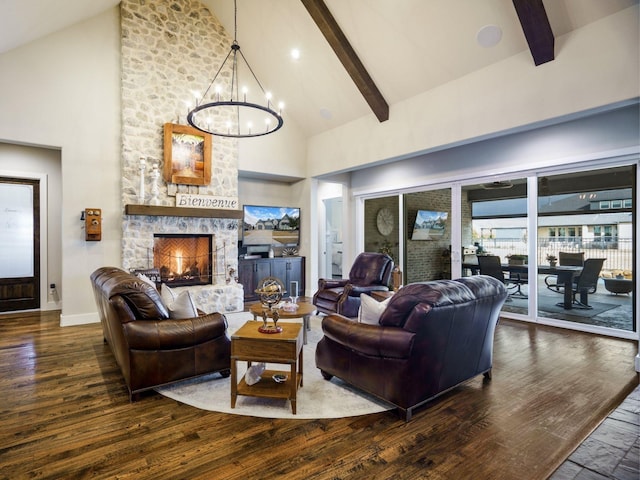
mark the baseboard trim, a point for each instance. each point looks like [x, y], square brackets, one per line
[79, 319]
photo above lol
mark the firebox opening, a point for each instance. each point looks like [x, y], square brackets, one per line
[183, 259]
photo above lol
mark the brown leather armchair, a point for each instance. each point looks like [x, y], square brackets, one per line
[150, 348]
[370, 271]
[431, 337]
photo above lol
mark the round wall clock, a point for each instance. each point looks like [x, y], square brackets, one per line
[384, 221]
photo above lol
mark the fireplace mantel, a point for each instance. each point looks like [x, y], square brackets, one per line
[160, 211]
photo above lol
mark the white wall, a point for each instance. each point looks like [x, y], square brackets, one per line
[579, 140]
[63, 91]
[282, 153]
[595, 65]
[32, 162]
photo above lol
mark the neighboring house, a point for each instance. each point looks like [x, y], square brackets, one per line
[266, 225]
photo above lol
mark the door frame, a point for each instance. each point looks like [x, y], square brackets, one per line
[44, 233]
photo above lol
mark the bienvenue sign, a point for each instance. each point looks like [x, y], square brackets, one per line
[205, 201]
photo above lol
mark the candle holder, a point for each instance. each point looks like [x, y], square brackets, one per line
[155, 192]
[142, 168]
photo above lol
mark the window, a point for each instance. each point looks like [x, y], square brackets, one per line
[616, 203]
[604, 204]
[608, 233]
[627, 203]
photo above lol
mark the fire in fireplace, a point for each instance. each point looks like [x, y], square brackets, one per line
[183, 259]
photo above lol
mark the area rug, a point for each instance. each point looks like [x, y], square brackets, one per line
[318, 398]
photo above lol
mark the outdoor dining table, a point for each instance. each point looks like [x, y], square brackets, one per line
[566, 274]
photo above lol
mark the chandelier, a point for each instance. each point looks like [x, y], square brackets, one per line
[224, 113]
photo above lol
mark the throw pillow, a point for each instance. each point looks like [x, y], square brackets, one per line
[168, 295]
[371, 309]
[183, 306]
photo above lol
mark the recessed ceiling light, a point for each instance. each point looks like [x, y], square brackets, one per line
[295, 53]
[489, 36]
[326, 113]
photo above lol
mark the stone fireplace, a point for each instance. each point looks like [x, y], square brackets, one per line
[222, 293]
[181, 44]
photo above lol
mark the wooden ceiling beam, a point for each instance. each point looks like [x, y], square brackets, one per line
[537, 30]
[347, 55]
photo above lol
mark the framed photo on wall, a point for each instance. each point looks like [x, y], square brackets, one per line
[187, 155]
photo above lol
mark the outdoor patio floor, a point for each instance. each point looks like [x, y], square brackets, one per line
[612, 311]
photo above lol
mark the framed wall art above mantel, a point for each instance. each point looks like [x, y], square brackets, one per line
[187, 155]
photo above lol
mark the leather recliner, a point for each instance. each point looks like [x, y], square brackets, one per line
[150, 348]
[370, 271]
[431, 337]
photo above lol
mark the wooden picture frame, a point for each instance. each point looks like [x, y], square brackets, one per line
[187, 155]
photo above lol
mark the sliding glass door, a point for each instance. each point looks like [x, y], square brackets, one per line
[586, 228]
[495, 215]
[563, 241]
[579, 269]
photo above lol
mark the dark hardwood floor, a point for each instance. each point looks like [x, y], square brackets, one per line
[65, 413]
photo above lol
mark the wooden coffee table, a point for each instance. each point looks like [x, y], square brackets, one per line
[304, 311]
[248, 344]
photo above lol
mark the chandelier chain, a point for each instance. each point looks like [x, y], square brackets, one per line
[208, 115]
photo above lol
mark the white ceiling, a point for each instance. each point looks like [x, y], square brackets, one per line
[407, 46]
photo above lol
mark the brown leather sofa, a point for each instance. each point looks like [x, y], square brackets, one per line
[431, 337]
[370, 271]
[150, 348]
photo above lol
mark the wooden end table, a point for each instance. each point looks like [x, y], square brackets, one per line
[304, 311]
[248, 344]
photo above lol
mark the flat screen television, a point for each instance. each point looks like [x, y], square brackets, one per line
[277, 226]
[429, 225]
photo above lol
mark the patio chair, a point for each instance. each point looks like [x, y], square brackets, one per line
[572, 259]
[490, 265]
[587, 282]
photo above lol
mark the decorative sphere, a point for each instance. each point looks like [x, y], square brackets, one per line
[270, 290]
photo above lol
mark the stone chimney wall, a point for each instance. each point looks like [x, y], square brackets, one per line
[170, 49]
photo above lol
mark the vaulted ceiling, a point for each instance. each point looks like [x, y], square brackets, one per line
[357, 57]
